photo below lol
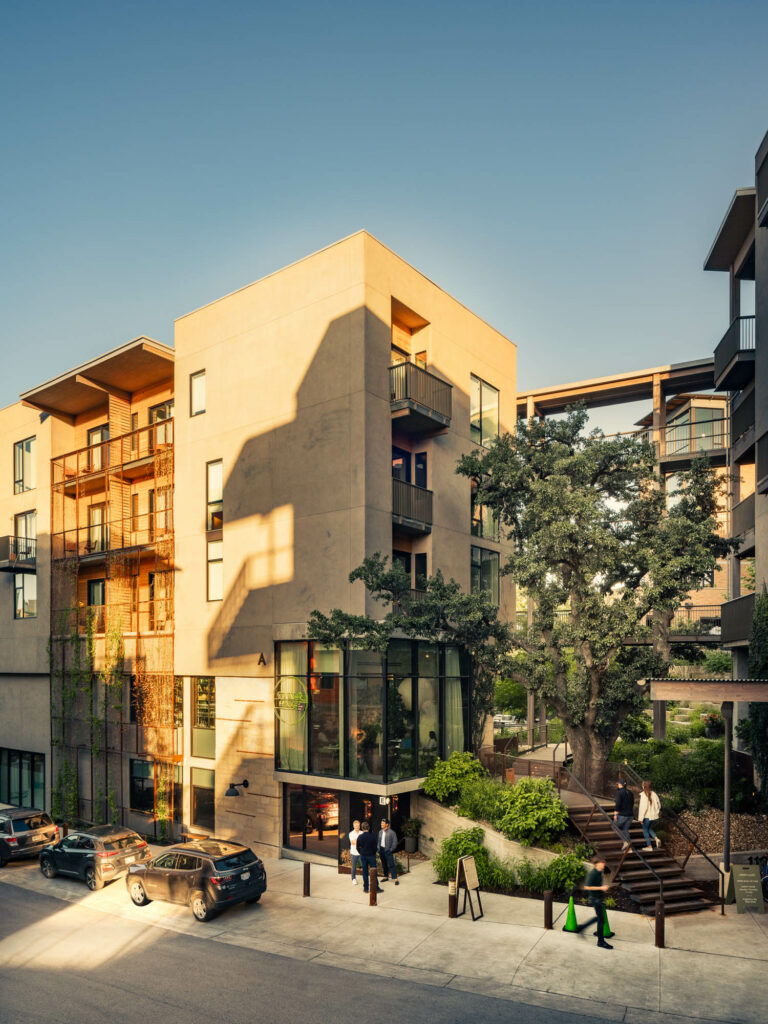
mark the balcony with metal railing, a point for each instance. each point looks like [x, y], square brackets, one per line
[143, 618]
[420, 402]
[18, 554]
[130, 455]
[735, 355]
[411, 507]
[737, 620]
[743, 524]
[91, 542]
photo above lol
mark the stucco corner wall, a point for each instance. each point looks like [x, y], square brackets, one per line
[440, 822]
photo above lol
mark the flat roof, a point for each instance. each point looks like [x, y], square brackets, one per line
[698, 374]
[739, 220]
[131, 367]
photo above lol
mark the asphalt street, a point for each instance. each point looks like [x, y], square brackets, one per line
[63, 963]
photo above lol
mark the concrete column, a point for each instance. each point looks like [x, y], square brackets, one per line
[659, 415]
[727, 713]
[530, 409]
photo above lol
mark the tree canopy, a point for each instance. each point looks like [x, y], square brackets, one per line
[605, 554]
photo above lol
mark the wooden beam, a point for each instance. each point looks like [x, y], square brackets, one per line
[108, 389]
[708, 689]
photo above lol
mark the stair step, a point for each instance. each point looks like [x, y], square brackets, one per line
[651, 885]
[686, 907]
[628, 874]
[669, 894]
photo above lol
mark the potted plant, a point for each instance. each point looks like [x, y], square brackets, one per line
[714, 726]
[411, 829]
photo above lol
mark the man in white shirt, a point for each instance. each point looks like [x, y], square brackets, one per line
[354, 855]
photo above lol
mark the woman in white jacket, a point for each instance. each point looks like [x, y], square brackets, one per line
[649, 811]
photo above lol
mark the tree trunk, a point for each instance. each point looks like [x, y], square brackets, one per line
[590, 753]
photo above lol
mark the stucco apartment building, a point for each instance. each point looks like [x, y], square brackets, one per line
[175, 514]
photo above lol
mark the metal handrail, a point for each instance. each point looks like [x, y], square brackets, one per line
[687, 833]
[614, 826]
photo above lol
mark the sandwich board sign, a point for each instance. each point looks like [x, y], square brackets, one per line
[745, 888]
[466, 879]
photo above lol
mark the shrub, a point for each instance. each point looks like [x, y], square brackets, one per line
[533, 813]
[482, 800]
[511, 697]
[718, 663]
[560, 875]
[680, 734]
[697, 729]
[635, 728]
[491, 873]
[446, 778]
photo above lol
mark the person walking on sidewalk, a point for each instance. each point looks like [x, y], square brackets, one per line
[624, 810]
[387, 847]
[649, 812]
[354, 856]
[366, 848]
[595, 887]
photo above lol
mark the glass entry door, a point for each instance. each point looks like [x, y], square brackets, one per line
[312, 820]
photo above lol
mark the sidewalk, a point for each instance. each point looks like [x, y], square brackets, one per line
[714, 968]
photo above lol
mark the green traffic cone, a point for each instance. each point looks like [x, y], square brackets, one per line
[571, 924]
[607, 933]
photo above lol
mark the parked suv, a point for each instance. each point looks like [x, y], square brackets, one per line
[24, 831]
[97, 855]
[206, 875]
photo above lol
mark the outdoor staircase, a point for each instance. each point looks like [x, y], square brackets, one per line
[681, 894]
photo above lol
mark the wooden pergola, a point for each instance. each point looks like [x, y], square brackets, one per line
[725, 691]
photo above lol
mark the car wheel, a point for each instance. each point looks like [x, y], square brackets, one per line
[92, 880]
[46, 866]
[254, 899]
[200, 907]
[137, 894]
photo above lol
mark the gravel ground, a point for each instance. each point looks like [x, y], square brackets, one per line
[748, 832]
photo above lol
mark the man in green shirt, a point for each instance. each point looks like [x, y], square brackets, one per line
[595, 887]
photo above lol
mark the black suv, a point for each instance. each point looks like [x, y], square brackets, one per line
[206, 875]
[24, 831]
[97, 855]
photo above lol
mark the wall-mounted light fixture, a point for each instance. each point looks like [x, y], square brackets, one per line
[234, 788]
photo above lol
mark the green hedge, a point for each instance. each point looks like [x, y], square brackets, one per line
[446, 778]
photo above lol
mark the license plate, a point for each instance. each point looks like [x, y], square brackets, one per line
[245, 875]
[129, 860]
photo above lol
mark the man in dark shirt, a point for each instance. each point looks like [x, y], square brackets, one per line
[624, 809]
[595, 887]
[366, 848]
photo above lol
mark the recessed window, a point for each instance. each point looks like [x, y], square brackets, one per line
[484, 572]
[99, 450]
[215, 570]
[484, 523]
[203, 716]
[215, 495]
[420, 469]
[142, 792]
[197, 393]
[25, 535]
[24, 471]
[483, 412]
[24, 596]
[203, 804]
[22, 778]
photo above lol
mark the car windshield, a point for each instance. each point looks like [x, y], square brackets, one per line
[31, 823]
[123, 842]
[238, 860]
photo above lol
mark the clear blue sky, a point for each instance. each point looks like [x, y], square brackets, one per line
[561, 168]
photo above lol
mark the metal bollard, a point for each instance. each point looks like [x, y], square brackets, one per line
[451, 899]
[306, 878]
[373, 886]
[659, 924]
[548, 909]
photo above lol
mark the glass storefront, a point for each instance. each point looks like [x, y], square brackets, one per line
[363, 715]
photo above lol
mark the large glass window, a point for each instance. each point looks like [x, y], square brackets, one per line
[97, 438]
[215, 495]
[401, 715]
[142, 789]
[24, 469]
[484, 523]
[456, 704]
[159, 415]
[291, 706]
[24, 596]
[365, 688]
[25, 533]
[22, 778]
[484, 572]
[203, 798]
[197, 393]
[483, 411]
[203, 716]
[326, 710]
[312, 819]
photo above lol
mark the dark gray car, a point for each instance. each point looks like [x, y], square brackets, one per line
[97, 855]
[24, 831]
[206, 875]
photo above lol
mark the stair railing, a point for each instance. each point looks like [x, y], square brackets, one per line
[687, 833]
[596, 807]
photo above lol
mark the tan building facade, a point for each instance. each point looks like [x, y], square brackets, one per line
[201, 501]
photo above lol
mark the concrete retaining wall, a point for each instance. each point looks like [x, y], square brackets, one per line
[440, 822]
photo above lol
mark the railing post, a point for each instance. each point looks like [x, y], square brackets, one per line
[452, 898]
[659, 915]
[306, 877]
[373, 886]
[548, 909]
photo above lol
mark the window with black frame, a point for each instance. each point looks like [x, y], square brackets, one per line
[203, 716]
[142, 786]
[203, 798]
[22, 778]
